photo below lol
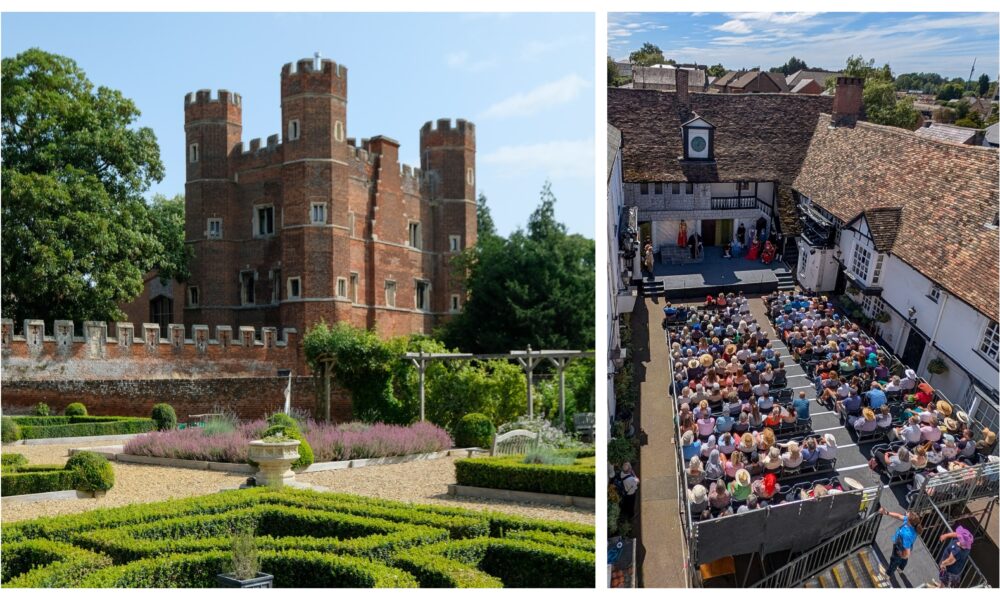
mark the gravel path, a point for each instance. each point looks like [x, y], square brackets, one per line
[421, 481]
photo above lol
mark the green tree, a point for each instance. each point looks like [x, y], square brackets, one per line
[648, 55]
[951, 91]
[167, 216]
[77, 236]
[613, 73]
[485, 226]
[716, 70]
[535, 287]
[791, 66]
[984, 84]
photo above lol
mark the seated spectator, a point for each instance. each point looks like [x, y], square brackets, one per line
[908, 382]
[918, 459]
[708, 446]
[893, 385]
[801, 406]
[739, 488]
[772, 461]
[714, 469]
[751, 504]
[766, 487]
[910, 432]
[765, 403]
[773, 418]
[765, 440]
[706, 425]
[810, 453]
[851, 406]
[884, 418]
[724, 424]
[949, 450]
[690, 447]
[787, 416]
[727, 444]
[742, 424]
[695, 472]
[898, 462]
[929, 432]
[923, 397]
[826, 446]
[866, 422]
[698, 497]
[966, 445]
[719, 498]
[792, 459]
[986, 445]
[747, 445]
[735, 463]
[876, 397]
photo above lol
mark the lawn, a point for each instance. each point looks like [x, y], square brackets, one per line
[304, 538]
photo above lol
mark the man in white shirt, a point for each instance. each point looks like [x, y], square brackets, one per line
[761, 389]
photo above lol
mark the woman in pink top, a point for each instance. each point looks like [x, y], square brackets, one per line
[706, 425]
[929, 432]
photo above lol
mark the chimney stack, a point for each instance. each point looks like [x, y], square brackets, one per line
[847, 101]
[681, 85]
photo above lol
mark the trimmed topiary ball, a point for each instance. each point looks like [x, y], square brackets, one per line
[11, 432]
[76, 409]
[41, 409]
[283, 420]
[164, 416]
[92, 472]
[305, 450]
[474, 430]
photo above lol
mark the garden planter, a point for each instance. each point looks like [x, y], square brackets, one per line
[274, 460]
[228, 580]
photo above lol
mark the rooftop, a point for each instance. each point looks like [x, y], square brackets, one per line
[948, 133]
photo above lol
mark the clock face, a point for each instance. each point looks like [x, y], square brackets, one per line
[698, 144]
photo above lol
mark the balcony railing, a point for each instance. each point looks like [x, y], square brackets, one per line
[733, 202]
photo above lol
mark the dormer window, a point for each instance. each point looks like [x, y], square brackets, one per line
[699, 136]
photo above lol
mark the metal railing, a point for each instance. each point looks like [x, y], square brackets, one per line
[830, 553]
[934, 526]
[687, 557]
[958, 487]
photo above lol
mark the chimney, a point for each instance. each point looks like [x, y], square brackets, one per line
[681, 85]
[847, 101]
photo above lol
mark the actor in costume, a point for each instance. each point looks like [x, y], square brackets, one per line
[754, 252]
[768, 252]
[682, 235]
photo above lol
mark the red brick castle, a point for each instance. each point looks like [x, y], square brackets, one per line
[315, 226]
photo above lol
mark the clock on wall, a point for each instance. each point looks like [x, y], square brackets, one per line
[698, 143]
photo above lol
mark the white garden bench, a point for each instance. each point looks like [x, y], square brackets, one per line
[518, 441]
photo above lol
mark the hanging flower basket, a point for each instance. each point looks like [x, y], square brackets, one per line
[937, 366]
[882, 317]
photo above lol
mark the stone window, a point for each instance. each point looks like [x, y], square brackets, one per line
[263, 217]
[318, 213]
[350, 224]
[293, 130]
[354, 288]
[675, 188]
[689, 188]
[214, 229]
[341, 287]
[861, 261]
[193, 295]
[294, 287]
[470, 176]
[193, 154]
[991, 341]
[246, 287]
[390, 293]
[416, 240]
[935, 293]
[338, 131]
[657, 188]
[454, 243]
[644, 188]
[422, 300]
[275, 276]
[456, 303]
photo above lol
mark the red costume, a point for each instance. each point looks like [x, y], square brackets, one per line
[768, 255]
[682, 235]
[754, 252]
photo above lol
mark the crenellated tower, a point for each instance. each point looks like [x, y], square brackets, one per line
[448, 164]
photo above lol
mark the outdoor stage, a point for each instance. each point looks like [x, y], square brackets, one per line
[715, 274]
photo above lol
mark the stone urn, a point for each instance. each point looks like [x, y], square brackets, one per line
[274, 461]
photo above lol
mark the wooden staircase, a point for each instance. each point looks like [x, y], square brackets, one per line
[859, 570]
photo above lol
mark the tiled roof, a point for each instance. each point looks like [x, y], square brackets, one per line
[750, 77]
[726, 79]
[946, 195]
[758, 137]
[787, 215]
[883, 225]
[801, 84]
[947, 133]
[819, 77]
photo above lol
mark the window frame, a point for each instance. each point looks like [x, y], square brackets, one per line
[455, 304]
[193, 296]
[208, 228]
[257, 221]
[989, 341]
[390, 284]
[248, 283]
[643, 188]
[658, 188]
[353, 285]
[414, 233]
[935, 294]
[312, 213]
[454, 243]
[194, 153]
[294, 130]
[856, 258]
[342, 282]
[297, 280]
[422, 299]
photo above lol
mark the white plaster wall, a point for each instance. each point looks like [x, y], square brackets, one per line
[820, 273]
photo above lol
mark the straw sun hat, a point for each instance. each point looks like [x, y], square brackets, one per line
[944, 408]
[869, 414]
[743, 477]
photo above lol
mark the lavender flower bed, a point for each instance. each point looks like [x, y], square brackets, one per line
[329, 442]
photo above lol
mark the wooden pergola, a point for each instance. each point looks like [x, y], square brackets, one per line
[528, 359]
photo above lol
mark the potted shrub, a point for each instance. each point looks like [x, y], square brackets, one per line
[274, 455]
[245, 566]
[937, 366]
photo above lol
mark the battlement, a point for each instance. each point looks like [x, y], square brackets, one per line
[444, 127]
[254, 147]
[408, 172]
[213, 96]
[309, 65]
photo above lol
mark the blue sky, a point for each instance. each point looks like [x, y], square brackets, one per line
[944, 43]
[525, 80]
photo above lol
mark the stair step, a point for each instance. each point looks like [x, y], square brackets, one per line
[853, 570]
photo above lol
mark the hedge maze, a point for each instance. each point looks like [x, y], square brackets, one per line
[511, 473]
[304, 539]
[31, 428]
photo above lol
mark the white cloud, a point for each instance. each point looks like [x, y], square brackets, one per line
[776, 18]
[568, 158]
[734, 26]
[544, 96]
[466, 62]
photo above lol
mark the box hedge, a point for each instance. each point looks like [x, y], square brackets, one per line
[305, 538]
[80, 426]
[509, 473]
[36, 479]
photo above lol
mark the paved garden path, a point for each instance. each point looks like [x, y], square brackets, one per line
[421, 481]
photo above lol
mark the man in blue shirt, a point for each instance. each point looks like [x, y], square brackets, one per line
[801, 406]
[902, 541]
[876, 397]
[852, 405]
